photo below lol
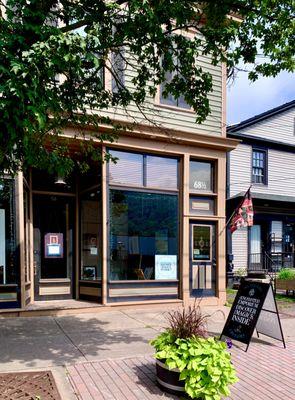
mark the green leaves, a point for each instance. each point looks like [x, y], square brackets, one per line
[204, 364]
[54, 56]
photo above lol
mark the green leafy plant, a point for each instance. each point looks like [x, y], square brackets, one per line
[203, 362]
[286, 274]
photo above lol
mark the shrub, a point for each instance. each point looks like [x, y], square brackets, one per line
[204, 363]
[286, 274]
[188, 322]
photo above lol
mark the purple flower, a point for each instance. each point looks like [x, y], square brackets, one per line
[229, 343]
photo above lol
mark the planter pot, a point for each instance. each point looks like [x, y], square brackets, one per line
[284, 284]
[168, 379]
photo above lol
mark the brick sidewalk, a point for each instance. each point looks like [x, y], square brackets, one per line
[266, 372]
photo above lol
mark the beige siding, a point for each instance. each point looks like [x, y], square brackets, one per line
[176, 118]
[240, 248]
[279, 127]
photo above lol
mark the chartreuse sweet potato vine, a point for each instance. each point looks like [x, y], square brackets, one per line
[204, 363]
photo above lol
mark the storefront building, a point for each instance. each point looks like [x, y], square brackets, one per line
[148, 229]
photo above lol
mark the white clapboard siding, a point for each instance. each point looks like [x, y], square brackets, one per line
[279, 127]
[281, 174]
[240, 169]
[175, 118]
[240, 248]
[280, 171]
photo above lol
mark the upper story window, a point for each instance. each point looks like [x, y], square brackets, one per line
[259, 166]
[170, 100]
[118, 70]
[143, 170]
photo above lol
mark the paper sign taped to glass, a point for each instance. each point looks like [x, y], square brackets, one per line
[165, 266]
[53, 243]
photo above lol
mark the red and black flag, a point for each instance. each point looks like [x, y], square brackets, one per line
[244, 214]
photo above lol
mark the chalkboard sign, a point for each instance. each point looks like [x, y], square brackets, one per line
[254, 307]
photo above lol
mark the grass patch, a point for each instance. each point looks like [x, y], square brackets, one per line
[280, 298]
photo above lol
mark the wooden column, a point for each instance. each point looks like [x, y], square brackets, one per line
[185, 262]
[104, 203]
[221, 229]
[19, 206]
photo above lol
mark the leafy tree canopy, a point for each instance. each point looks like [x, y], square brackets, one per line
[52, 54]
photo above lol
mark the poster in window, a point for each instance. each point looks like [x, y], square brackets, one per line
[53, 243]
[201, 248]
[165, 267]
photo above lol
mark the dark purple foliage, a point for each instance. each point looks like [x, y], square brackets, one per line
[188, 322]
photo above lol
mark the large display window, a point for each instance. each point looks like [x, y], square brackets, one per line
[143, 236]
[9, 269]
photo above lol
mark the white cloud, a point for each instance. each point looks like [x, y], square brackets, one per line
[246, 99]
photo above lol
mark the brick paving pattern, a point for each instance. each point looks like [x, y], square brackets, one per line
[266, 372]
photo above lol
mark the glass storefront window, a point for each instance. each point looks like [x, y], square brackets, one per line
[143, 236]
[9, 272]
[91, 231]
[201, 177]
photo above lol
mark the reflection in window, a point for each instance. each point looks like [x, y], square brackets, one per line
[201, 243]
[161, 172]
[128, 170]
[134, 169]
[143, 229]
[259, 166]
[201, 178]
[8, 249]
[91, 234]
[169, 99]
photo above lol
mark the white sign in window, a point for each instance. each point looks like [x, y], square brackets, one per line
[165, 266]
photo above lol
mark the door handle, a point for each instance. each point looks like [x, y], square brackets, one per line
[35, 268]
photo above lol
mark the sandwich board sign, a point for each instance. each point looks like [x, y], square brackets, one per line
[254, 308]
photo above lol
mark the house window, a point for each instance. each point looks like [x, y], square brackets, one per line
[259, 166]
[170, 100]
[118, 70]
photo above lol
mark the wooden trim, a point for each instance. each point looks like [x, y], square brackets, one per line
[77, 243]
[141, 282]
[104, 202]
[54, 280]
[31, 236]
[19, 200]
[223, 98]
[43, 192]
[151, 133]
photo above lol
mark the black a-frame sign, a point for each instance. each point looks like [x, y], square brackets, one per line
[254, 308]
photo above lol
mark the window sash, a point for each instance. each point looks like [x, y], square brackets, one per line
[258, 166]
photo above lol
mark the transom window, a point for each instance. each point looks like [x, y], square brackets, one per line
[259, 166]
[143, 170]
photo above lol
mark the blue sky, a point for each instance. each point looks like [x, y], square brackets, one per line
[246, 99]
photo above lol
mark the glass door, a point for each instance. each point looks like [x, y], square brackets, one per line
[53, 246]
[202, 259]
